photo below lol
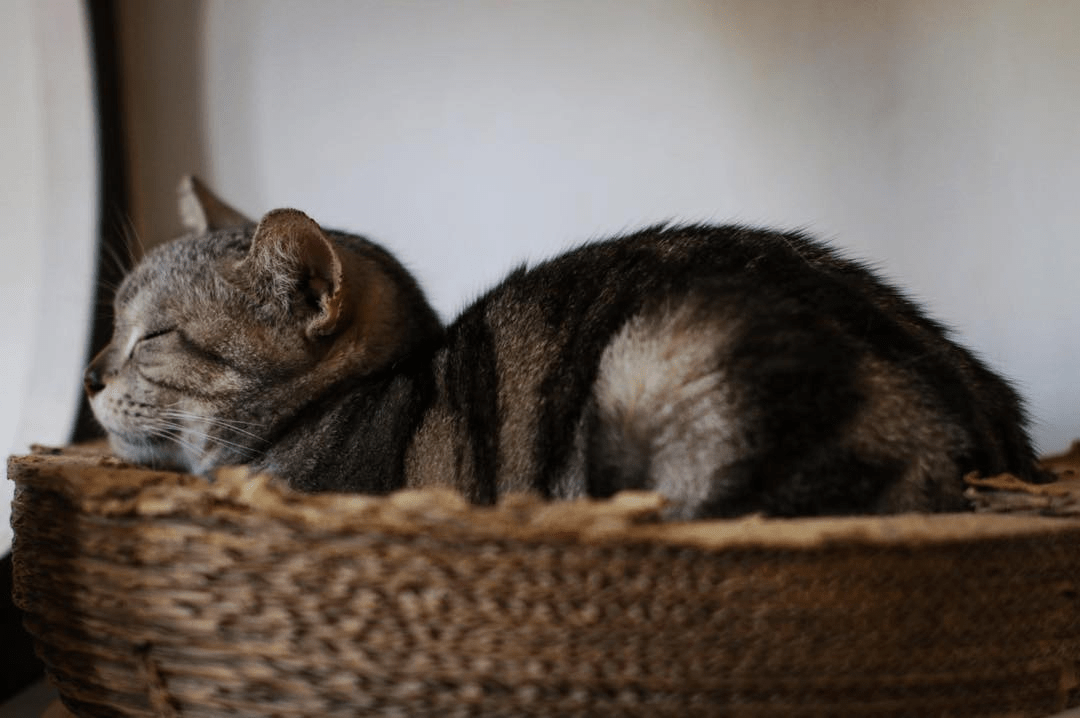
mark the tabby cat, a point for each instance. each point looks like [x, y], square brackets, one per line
[732, 370]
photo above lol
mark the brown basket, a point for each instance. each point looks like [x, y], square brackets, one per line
[160, 594]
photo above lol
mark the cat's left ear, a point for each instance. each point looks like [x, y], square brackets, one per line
[292, 259]
[202, 211]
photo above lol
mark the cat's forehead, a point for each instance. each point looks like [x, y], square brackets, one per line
[180, 281]
[181, 266]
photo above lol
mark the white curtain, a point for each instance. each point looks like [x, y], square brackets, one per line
[48, 202]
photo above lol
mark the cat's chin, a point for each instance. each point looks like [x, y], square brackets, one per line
[154, 454]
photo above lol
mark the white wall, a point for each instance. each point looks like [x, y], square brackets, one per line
[47, 202]
[20, 197]
[938, 139]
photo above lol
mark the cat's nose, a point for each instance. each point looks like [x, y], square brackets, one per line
[93, 381]
[97, 374]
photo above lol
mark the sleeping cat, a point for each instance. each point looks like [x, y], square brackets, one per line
[732, 370]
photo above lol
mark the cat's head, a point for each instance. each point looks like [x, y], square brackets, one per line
[222, 336]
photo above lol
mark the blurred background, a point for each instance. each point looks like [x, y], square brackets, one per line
[941, 140]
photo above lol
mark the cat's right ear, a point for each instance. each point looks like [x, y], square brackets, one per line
[293, 264]
[202, 211]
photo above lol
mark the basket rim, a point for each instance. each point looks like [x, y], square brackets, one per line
[100, 485]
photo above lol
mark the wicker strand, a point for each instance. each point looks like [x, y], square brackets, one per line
[156, 690]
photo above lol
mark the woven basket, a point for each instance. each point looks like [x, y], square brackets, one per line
[160, 594]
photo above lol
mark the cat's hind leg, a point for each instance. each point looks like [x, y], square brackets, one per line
[663, 416]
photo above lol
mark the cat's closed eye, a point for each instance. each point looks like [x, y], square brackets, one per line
[156, 333]
[149, 337]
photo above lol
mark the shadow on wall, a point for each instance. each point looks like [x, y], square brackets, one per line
[147, 70]
[161, 66]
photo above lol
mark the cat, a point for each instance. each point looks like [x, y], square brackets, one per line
[732, 370]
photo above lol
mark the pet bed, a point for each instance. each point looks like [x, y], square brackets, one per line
[161, 594]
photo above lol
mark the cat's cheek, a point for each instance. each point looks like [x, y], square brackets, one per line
[128, 413]
[131, 432]
[194, 378]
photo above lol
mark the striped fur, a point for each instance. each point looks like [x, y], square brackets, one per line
[732, 370]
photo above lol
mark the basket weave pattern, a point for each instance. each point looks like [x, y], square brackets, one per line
[158, 594]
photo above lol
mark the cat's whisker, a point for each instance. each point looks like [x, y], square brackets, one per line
[132, 241]
[217, 420]
[109, 286]
[113, 265]
[246, 450]
[229, 424]
[176, 433]
[117, 257]
[240, 448]
[206, 437]
[173, 436]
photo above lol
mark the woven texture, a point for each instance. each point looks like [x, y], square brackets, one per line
[159, 594]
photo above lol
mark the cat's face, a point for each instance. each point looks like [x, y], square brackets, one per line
[220, 337]
[193, 356]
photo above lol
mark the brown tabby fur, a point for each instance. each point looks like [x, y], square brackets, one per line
[732, 370]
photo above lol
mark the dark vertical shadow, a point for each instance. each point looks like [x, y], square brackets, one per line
[113, 201]
[161, 55]
[19, 667]
[147, 75]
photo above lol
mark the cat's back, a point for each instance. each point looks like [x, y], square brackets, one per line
[517, 374]
[518, 363]
[714, 364]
